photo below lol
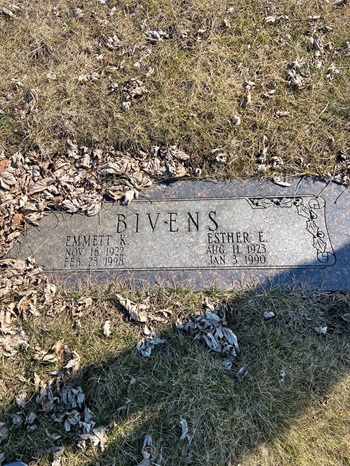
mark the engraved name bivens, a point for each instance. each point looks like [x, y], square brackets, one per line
[198, 234]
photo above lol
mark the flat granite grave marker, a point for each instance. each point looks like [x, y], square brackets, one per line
[202, 234]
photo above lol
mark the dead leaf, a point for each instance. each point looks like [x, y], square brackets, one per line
[57, 347]
[3, 165]
[211, 326]
[322, 330]
[280, 182]
[129, 196]
[148, 451]
[107, 328]
[269, 315]
[7, 180]
[146, 345]
[136, 312]
[86, 302]
[30, 418]
[16, 220]
[3, 432]
[21, 400]
[184, 428]
[96, 437]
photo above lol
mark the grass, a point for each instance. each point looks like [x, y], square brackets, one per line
[67, 70]
[261, 420]
[192, 79]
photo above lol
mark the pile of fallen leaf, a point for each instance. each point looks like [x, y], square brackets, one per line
[78, 181]
[143, 315]
[211, 327]
[55, 404]
[25, 291]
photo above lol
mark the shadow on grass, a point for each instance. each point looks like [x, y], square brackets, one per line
[227, 416]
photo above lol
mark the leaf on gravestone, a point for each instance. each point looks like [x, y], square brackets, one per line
[115, 192]
[184, 428]
[136, 312]
[107, 328]
[277, 180]
[70, 207]
[312, 228]
[93, 208]
[129, 196]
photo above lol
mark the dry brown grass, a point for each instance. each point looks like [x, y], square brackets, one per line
[192, 86]
[193, 80]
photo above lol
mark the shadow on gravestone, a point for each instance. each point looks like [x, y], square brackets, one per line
[287, 343]
[204, 234]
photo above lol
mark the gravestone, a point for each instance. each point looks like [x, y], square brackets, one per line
[203, 234]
